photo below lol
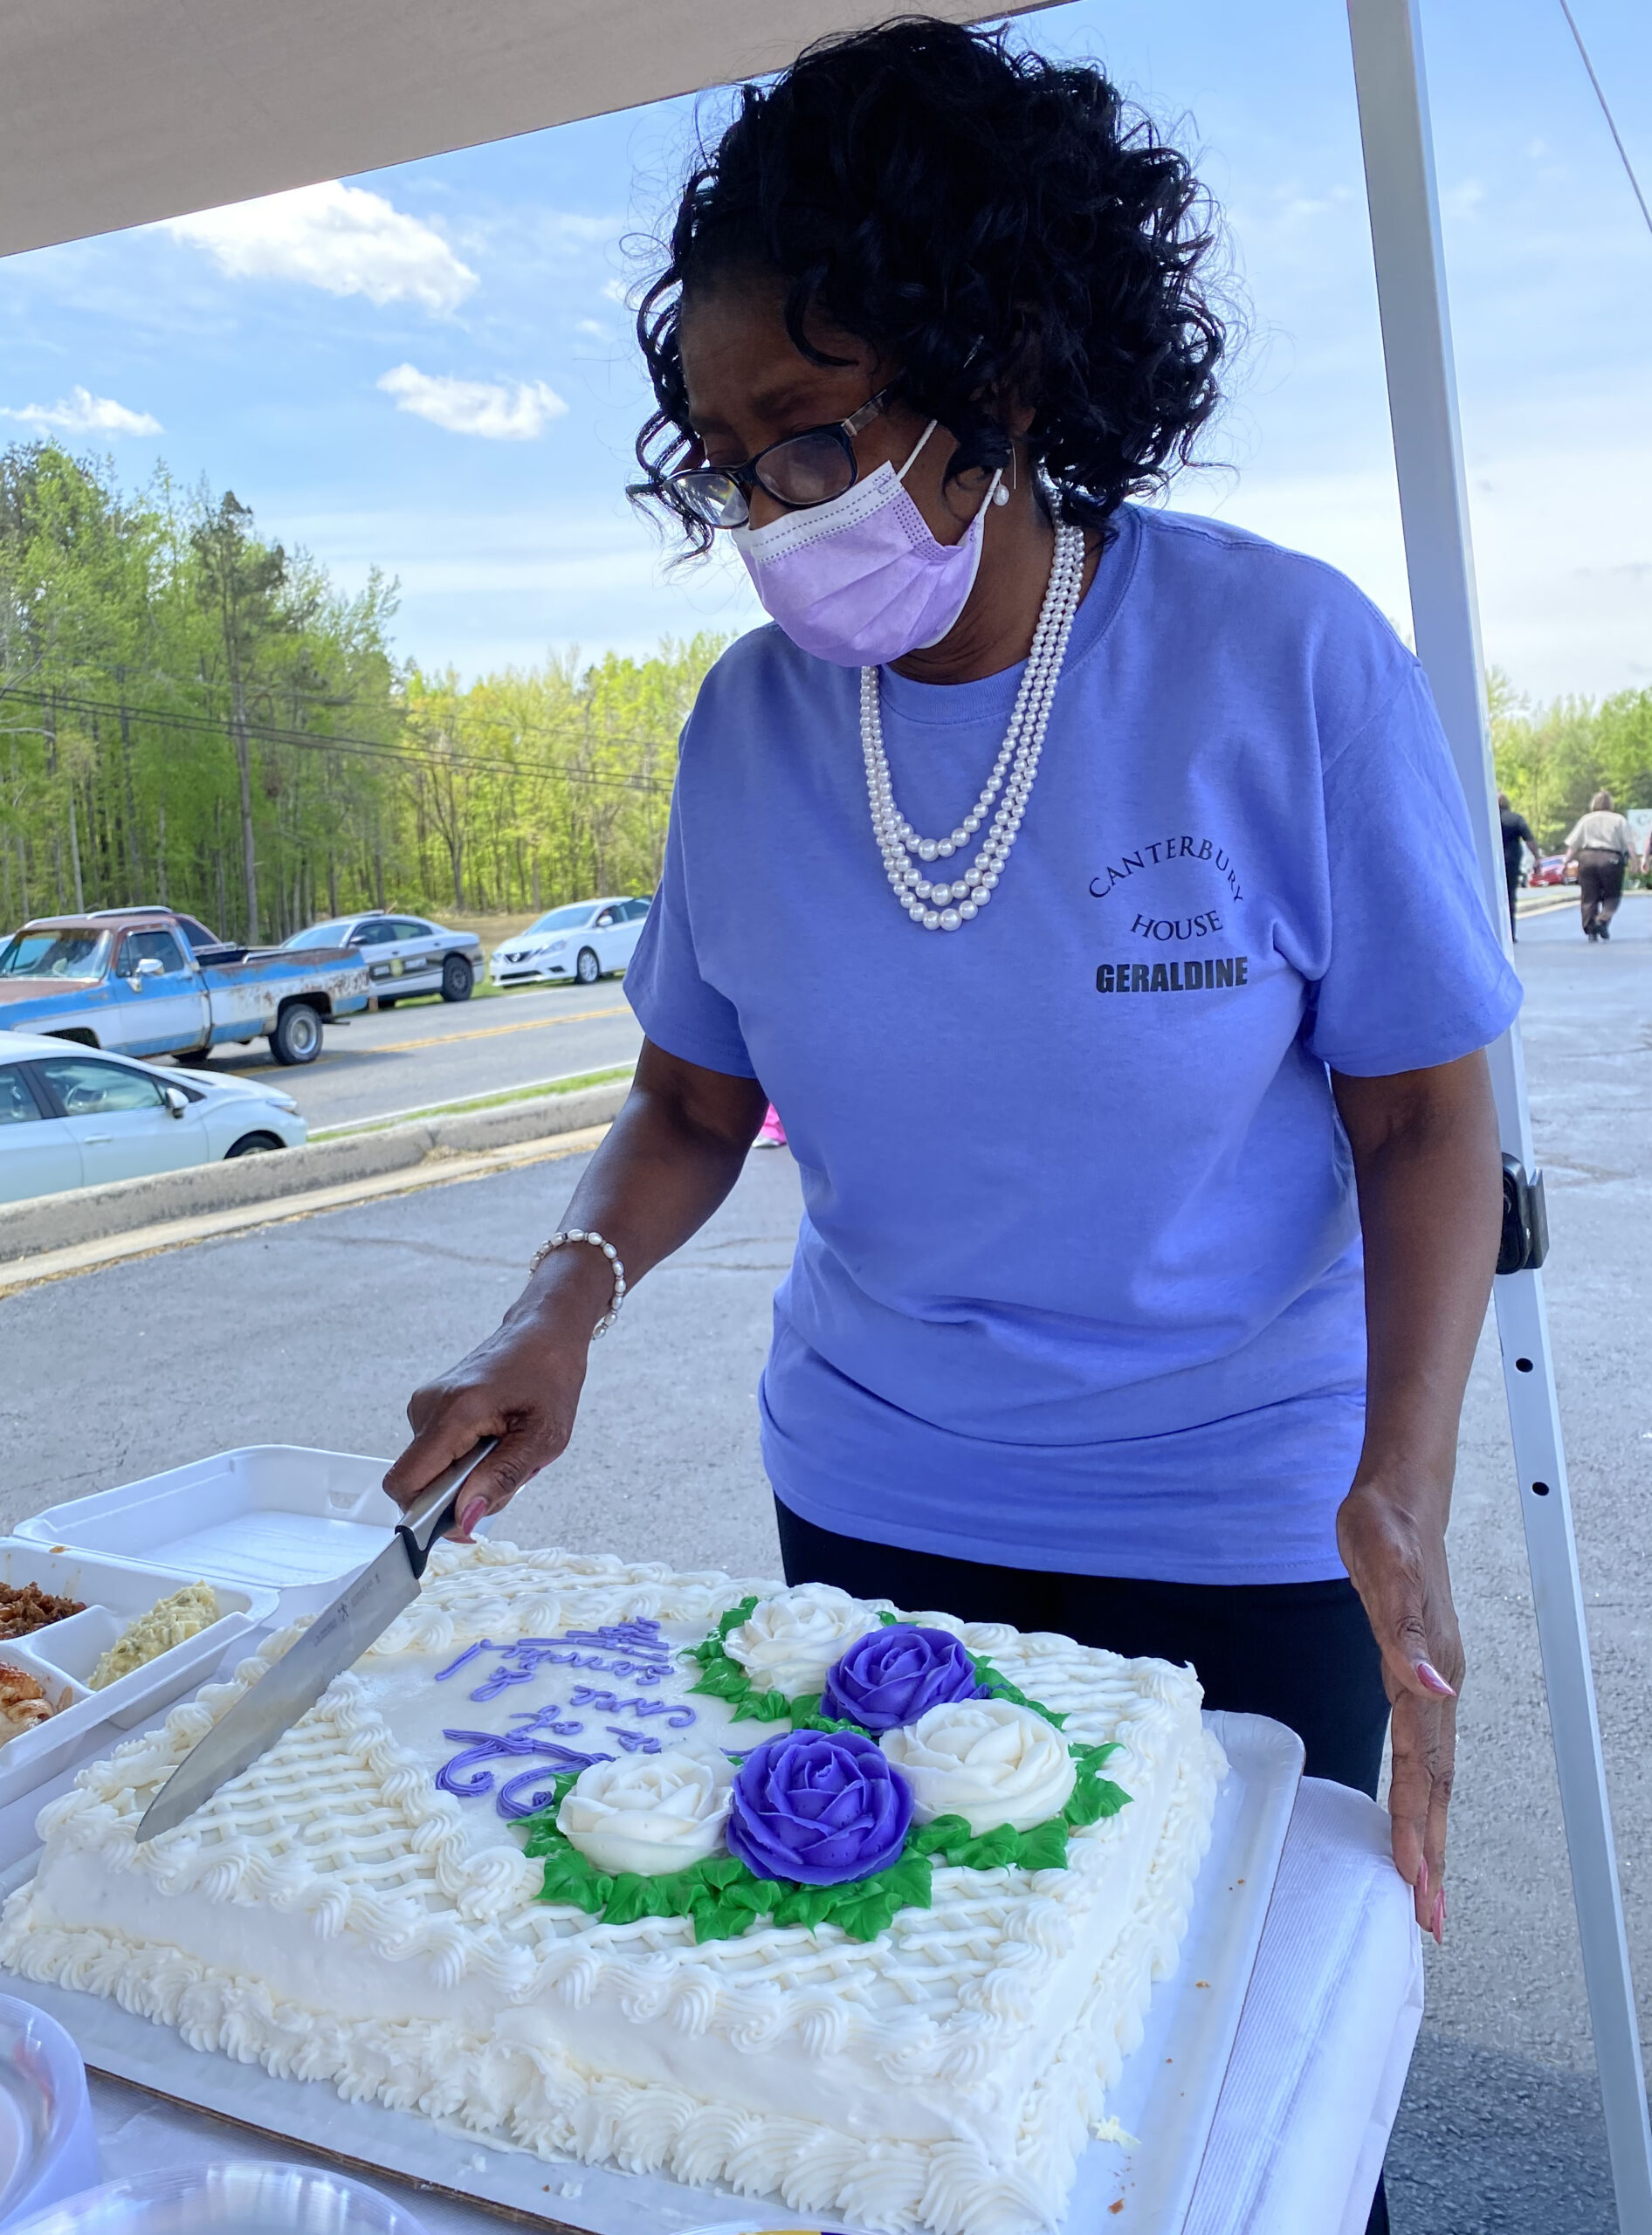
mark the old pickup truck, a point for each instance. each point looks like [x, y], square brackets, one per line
[135, 982]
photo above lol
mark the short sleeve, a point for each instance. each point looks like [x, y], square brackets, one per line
[1416, 975]
[675, 1006]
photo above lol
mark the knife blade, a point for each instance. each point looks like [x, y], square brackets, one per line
[334, 1641]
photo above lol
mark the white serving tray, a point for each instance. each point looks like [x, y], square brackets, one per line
[64, 1655]
[272, 1516]
[1167, 2097]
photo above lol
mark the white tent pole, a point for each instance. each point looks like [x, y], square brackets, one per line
[1417, 339]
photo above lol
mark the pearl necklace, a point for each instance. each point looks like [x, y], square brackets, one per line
[946, 903]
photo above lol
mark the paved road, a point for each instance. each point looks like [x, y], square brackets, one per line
[438, 1051]
[336, 1317]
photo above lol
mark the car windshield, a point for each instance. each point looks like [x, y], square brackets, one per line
[322, 934]
[564, 920]
[55, 954]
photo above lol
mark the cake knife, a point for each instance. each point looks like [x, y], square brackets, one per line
[336, 1640]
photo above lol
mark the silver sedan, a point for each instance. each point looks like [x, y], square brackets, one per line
[405, 955]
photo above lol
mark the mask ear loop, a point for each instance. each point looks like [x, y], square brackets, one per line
[1000, 494]
[917, 446]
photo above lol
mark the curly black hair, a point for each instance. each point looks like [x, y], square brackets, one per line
[994, 224]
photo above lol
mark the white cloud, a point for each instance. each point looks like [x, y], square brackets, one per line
[340, 237]
[503, 411]
[82, 413]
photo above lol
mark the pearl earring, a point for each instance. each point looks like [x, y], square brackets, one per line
[1001, 495]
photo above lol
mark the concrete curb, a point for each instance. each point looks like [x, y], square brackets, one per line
[53, 1224]
[181, 1233]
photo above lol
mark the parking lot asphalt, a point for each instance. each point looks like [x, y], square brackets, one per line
[429, 1052]
[314, 1331]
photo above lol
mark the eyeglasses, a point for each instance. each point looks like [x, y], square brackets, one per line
[808, 469]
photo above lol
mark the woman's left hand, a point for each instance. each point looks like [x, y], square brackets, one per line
[1398, 1563]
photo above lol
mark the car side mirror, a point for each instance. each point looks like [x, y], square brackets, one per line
[150, 965]
[176, 1101]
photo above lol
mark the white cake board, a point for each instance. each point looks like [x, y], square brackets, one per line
[1165, 2098]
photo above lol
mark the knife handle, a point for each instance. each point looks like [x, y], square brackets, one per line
[434, 1511]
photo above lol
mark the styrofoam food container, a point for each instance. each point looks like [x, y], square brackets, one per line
[247, 2195]
[64, 1655]
[48, 2148]
[271, 1517]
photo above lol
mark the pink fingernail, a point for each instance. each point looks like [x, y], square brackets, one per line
[1436, 1923]
[1423, 1881]
[1430, 1678]
[470, 1512]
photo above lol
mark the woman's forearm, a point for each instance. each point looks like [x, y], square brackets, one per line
[670, 1159]
[1426, 1162]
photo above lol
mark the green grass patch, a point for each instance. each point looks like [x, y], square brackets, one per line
[474, 1103]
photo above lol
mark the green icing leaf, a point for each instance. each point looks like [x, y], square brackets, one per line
[999, 1688]
[724, 1679]
[1044, 1848]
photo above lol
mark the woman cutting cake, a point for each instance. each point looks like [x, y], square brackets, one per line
[1151, 1181]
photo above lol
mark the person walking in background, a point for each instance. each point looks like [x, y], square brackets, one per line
[1603, 846]
[1516, 832]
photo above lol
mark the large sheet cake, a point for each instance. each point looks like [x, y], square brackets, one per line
[429, 1893]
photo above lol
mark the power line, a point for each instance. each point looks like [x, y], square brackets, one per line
[306, 740]
[1611, 125]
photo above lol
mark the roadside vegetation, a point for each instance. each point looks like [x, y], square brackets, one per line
[192, 713]
[1551, 760]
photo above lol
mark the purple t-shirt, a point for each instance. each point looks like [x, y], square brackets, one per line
[1078, 1282]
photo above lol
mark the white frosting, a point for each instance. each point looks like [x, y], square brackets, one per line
[650, 1813]
[790, 1641]
[334, 1916]
[987, 1761]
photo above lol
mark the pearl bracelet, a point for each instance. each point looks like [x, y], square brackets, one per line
[579, 1233]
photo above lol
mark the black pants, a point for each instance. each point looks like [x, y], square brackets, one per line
[1511, 877]
[1600, 888]
[1300, 1652]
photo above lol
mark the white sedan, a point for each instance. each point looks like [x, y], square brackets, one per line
[578, 944]
[73, 1116]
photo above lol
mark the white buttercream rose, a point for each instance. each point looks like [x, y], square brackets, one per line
[987, 1761]
[650, 1813]
[788, 1642]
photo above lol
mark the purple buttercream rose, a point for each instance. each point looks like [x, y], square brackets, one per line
[894, 1675]
[818, 1807]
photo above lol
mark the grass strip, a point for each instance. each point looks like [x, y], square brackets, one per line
[476, 1102]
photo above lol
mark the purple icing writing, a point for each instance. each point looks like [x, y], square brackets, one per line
[678, 1714]
[466, 1780]
[634, 1742]
[633, 1649]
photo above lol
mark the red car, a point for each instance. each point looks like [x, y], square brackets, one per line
[1554, 869]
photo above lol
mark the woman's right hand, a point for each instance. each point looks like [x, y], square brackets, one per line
[522, 1384]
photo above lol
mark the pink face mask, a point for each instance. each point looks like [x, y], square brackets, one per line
[860, 580]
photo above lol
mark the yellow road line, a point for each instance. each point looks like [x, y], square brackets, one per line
[489, 1031]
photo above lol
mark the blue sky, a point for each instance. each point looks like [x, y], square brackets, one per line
[429, 369]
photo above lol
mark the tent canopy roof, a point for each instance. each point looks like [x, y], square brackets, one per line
[121, 112]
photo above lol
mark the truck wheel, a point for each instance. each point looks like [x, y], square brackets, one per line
[297, 1037]
[588, 969]
[252, 1144]
[457, 978]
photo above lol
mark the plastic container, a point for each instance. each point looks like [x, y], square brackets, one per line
[48, 2149]
[63, 1655]
[272, 1516]
[247, 2196]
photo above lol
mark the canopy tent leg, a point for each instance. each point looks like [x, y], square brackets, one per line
[1416, 340]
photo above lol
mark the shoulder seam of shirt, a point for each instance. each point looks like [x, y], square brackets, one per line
[1328, 760]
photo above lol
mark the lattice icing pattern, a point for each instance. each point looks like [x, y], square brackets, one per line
[337, 1915]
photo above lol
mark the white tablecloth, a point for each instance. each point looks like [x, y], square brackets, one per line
[1311, 2093]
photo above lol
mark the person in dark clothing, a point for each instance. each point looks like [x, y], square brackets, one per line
[1516, 832]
